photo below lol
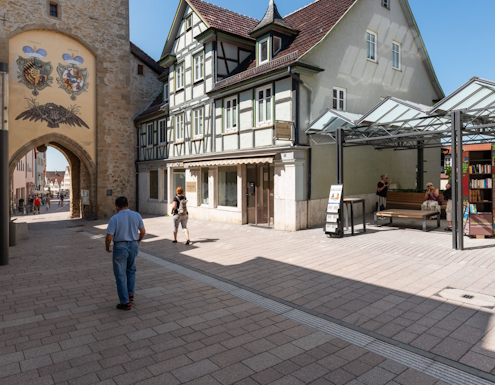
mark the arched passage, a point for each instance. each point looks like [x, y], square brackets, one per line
[83, 170]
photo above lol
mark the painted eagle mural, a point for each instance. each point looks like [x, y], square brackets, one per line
[53, 114]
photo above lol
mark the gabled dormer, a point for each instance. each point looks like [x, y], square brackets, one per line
[272, 34]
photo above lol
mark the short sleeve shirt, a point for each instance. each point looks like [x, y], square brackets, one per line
[125, 225]
[181, 197]
[382, 193]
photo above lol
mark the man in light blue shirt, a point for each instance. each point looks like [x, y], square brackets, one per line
[126, 230]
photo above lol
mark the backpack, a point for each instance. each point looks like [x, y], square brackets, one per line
[182, 206]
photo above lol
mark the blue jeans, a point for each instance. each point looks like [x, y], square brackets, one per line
[124, 265]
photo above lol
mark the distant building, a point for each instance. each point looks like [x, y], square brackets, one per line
[23, 181]
[40, 169]
[66, 181]
[54, 180]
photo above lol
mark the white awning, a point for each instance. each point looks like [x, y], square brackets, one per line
[229, 162]
[330, 120]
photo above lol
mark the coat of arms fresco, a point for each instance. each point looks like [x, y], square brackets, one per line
[33, 72]
[72, 78]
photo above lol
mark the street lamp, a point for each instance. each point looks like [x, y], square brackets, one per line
[4, 167]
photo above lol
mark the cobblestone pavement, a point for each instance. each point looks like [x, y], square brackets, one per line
[245, 305]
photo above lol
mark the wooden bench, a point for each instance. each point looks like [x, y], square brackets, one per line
[409, 214]
[409, 200]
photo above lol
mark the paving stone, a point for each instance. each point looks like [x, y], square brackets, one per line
[313, 340]
[451, 348]
[232, 373]
[69, 354]
[261, 361]
[133, 377]
[376, 376]
[340, 377]
[194, 370]
[310, 373]
[230, 357]
[35, 363]
[412, 377]
[266, 376]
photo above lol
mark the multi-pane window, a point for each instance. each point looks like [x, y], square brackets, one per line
[188, 22]
[277, 44]
[386, 3]
[165, 185]
[154, 184]
[149, 134]
[339, 99]
[54, 9]
[198, 122]
[165, 92]
[231, 114]
[179, 127]
[179, 76]
[198, 67]
[263, 51]
[204, 187]
[396, 55]
[162, 125]
[264, 106]
[371, 45]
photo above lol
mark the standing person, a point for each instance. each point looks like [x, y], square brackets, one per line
[126, 230]
[37, 204]
[48, 200]
[432, 198]
[447, 195]
[179, 211]
[381, 192]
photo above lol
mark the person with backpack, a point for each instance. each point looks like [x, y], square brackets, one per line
[180, 214]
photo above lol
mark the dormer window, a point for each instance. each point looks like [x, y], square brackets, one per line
[263, 51]
[277, 44]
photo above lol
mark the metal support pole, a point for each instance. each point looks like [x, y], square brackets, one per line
[340, 155]
[421, 166]
[460, 227]
[454, 185]
[4, 170]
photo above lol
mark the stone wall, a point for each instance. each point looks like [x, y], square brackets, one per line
[145, 88]
[103, 28]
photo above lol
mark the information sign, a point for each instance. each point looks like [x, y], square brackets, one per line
[333, 225]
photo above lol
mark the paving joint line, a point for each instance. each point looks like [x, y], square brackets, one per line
[439, 367]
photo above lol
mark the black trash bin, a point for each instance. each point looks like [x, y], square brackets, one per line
[12, 233]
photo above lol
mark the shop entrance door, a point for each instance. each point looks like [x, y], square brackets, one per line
[260, 194]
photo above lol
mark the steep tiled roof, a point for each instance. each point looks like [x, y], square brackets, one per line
[272, 17]
[223, 19]
[154, 107]
[146, 59]
[313, 21]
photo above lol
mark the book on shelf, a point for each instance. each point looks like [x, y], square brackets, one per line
[480, 169]
[481, 183]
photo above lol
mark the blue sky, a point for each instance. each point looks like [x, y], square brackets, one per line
[55, 160]
[455, 32]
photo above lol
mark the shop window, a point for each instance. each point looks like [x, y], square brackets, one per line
[396, 55]
[227, 186]
[204, 187]
[263, 51]
[179, 181]
[154, 184]
[140, 69]
[231, 114]
[339, 99]
[264, 106]
[149, 134]
[162, 124]
[199, 67]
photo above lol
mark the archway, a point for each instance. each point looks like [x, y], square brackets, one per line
[83, 170]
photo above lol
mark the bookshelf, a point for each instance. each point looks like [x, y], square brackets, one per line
[481, 194]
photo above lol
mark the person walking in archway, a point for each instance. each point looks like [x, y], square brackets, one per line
[48, 199]
[62, 200]
[126, 230]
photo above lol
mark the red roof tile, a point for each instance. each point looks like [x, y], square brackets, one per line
[224, 20]
[313, 21]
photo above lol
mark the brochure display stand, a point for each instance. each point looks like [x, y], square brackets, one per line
[333, 224]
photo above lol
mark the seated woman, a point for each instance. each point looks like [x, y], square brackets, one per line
[433, 199]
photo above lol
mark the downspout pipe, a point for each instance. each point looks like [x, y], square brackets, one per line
[310, 90]
[137, 166]
[310, 155]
